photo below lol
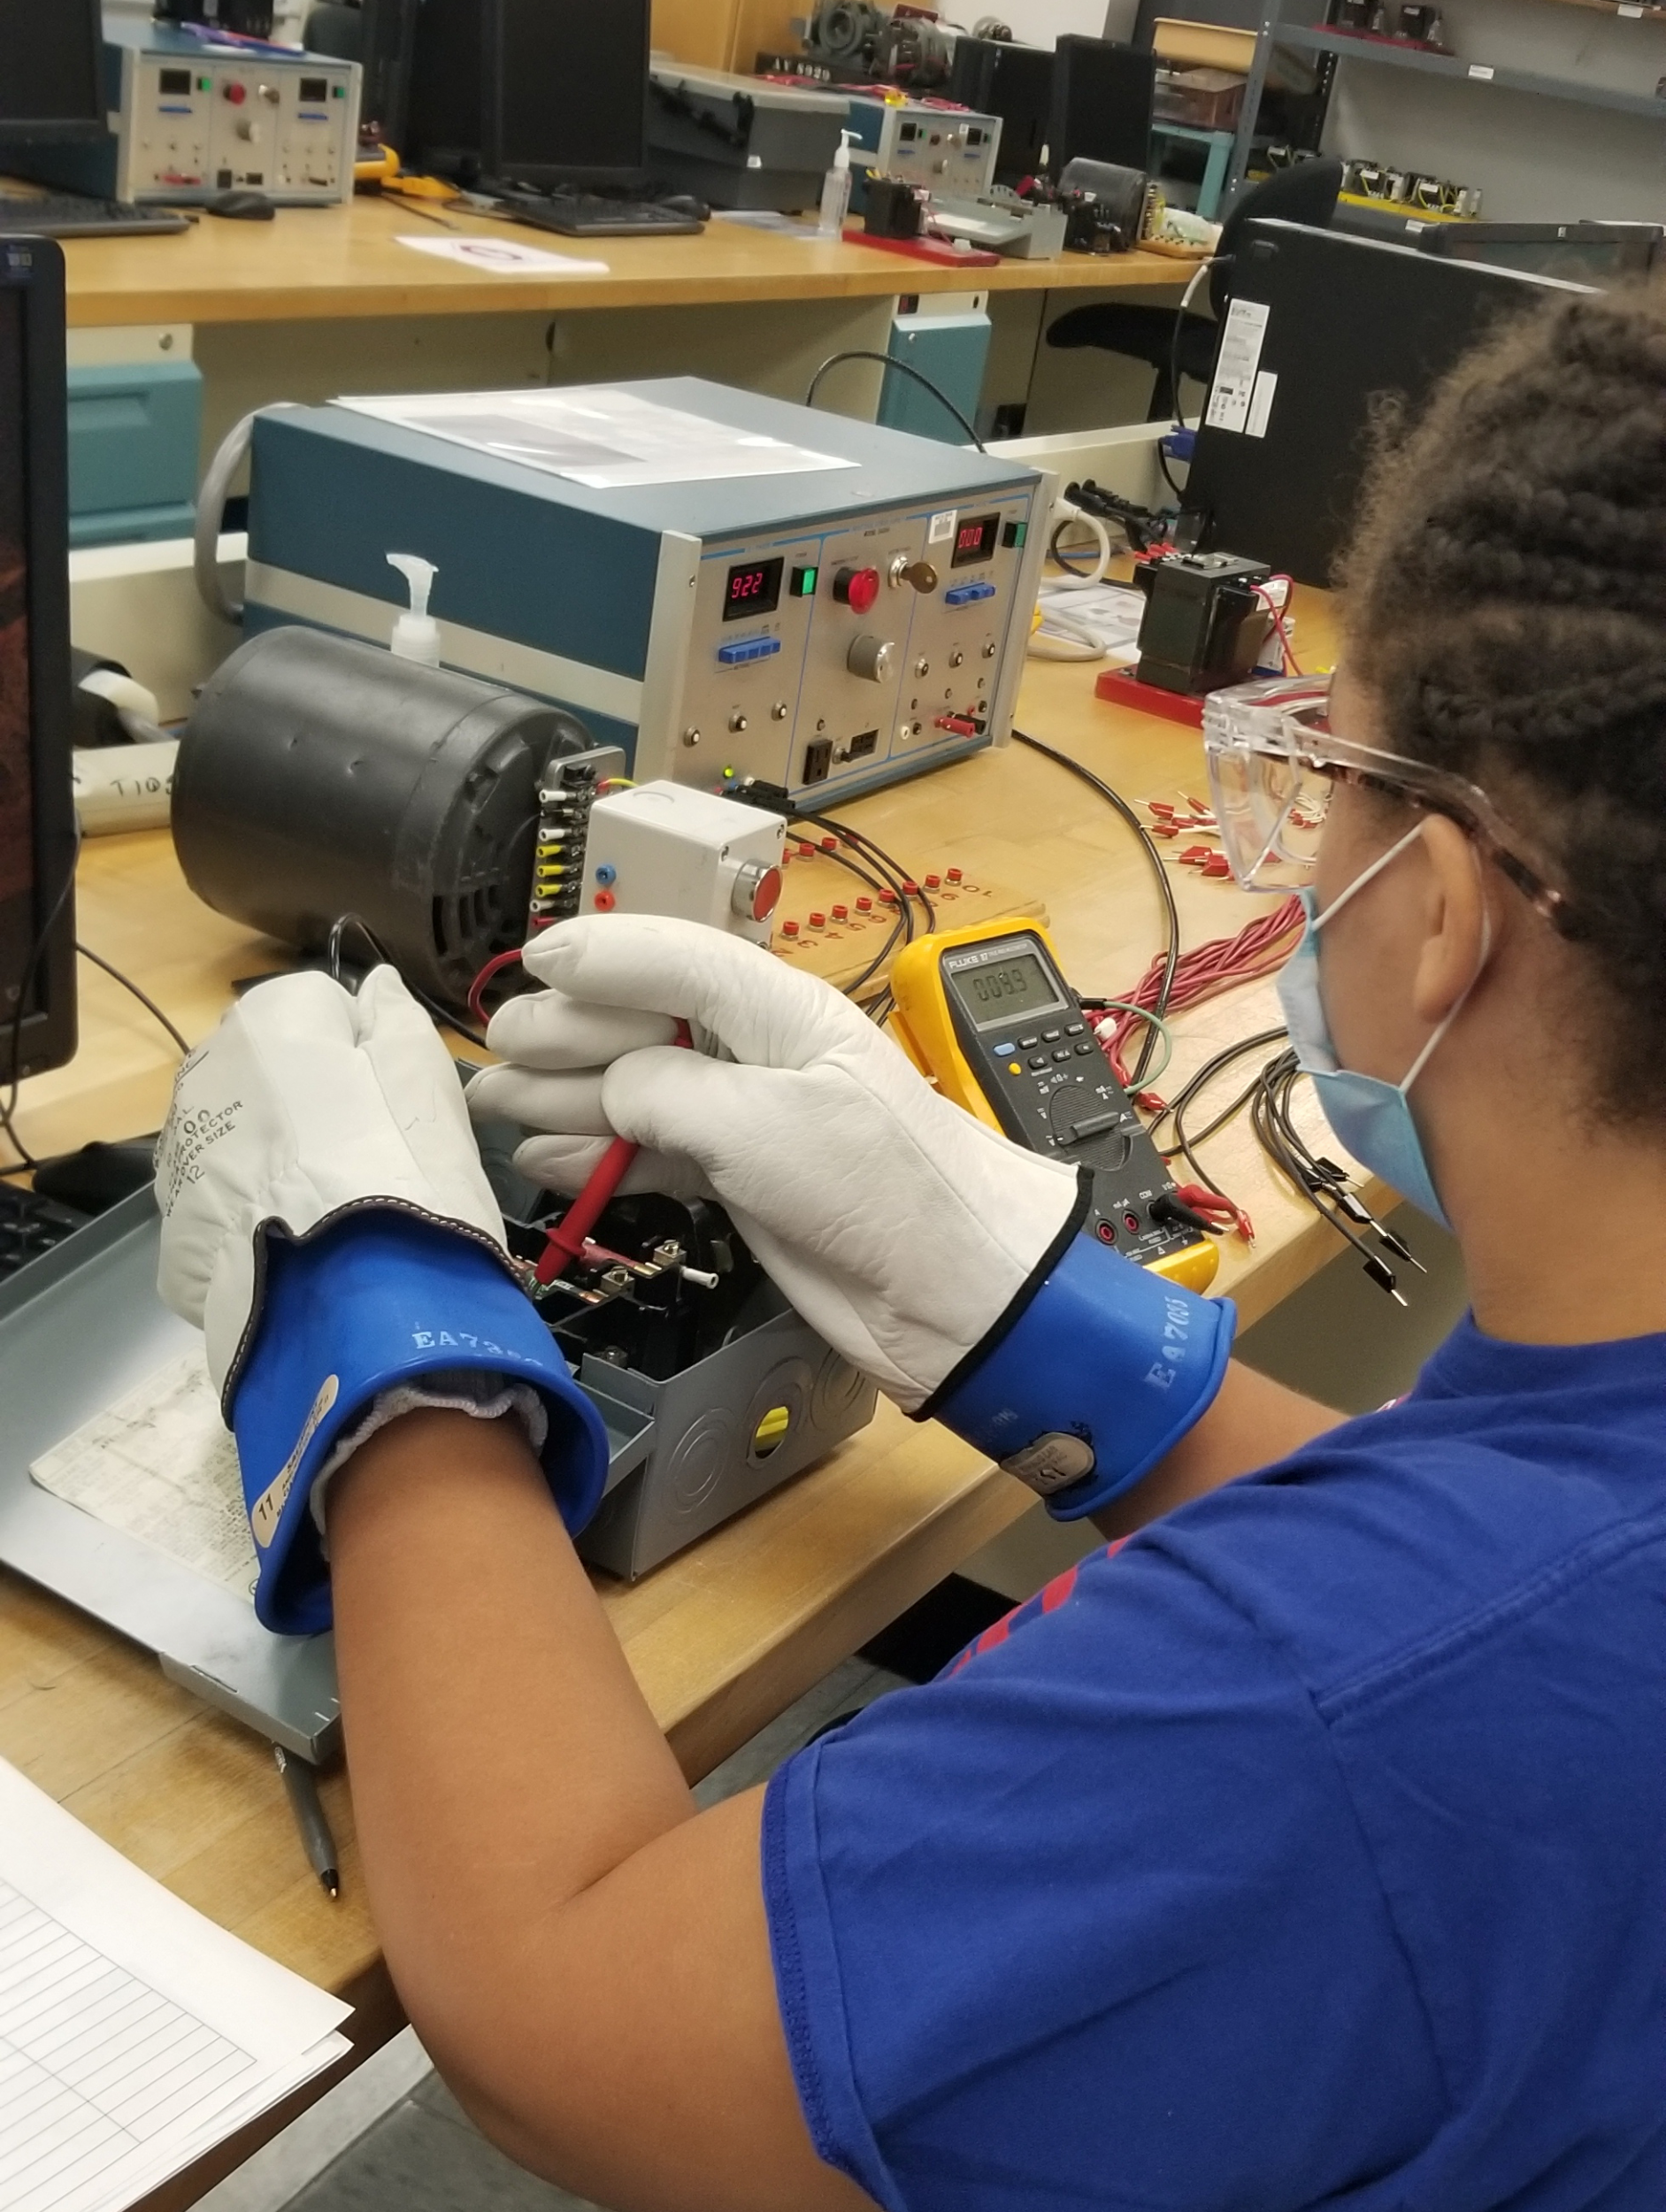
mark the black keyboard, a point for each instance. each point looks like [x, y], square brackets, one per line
[77, 215]
[594, 215]
[30, 1226]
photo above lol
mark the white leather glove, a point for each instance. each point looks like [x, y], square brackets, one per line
[326, 1222]
[304, 1104]
[900, 1227]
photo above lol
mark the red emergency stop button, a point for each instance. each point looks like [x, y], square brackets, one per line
[856, 588]
[757, 891]
[237, 94]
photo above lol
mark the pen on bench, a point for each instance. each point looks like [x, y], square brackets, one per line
[302, 1783]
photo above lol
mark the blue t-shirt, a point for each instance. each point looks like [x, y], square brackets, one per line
[1308, 1849]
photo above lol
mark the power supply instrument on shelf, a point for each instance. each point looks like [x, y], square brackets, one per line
[191, 120]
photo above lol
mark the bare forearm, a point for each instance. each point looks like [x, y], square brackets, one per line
[1252, 1423]
[586, 1955]
[502, 1758]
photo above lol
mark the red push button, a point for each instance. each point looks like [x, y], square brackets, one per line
[237, 94]
[856, 588]
[766, 893]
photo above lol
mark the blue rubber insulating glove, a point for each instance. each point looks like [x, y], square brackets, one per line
[374, 1299]
[1095, 1371]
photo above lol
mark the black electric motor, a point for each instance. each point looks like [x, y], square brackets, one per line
[319, 777]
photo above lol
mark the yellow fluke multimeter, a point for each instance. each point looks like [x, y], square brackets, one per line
[987, 1013]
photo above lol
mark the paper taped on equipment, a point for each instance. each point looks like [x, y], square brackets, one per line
[598, 436]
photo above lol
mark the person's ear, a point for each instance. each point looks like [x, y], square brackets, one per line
[1455, 920]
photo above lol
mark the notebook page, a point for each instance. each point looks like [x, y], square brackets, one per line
[133, 2032]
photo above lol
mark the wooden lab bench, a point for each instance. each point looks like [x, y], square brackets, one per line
[325, 301]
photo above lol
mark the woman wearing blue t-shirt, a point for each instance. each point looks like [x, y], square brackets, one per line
[1308, 1849]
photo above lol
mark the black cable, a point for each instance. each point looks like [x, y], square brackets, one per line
[1319, 1181]
[865, 353]
[844, 861]
[37, 953]
[865, 844]
[1055, 557]
[1171, 913]
[127, 984]
[431, 1007]
[1185, 1141]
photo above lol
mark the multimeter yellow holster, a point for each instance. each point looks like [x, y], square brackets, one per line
[985, 1012]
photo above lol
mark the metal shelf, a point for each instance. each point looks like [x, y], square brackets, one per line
[1387, 54]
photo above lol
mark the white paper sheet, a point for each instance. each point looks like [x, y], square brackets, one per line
[133, 2032]
[1110, 612]
[505, 256]
[597, 435]
[159, 1464]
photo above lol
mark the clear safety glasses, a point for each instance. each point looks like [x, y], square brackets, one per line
[1273, 762]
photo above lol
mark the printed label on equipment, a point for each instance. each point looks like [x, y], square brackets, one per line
[1260, 404]
[1236, 364]
[943, 527]
[1483, 69]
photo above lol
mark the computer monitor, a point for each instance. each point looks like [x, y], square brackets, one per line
[566, 91]
[37, 813]
[1319, 328]
[1582, 253]
[1016, 83]
[51, 73]
[1103, 98]
[380, 36]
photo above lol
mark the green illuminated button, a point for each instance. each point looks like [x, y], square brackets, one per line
[338, 92]
[804, 582]
[1014, 534]
[205, 84]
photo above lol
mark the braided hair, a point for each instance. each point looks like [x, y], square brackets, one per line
[1505, 603]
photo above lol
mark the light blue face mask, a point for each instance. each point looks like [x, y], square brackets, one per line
[1370, 1118]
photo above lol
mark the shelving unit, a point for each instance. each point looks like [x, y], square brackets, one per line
[1385, 53]
[1331, 48]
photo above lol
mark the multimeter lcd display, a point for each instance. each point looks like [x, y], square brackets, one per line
[753, 587]
[1006, 988]
[975, 538]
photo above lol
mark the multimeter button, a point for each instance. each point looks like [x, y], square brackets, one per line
[1075, 1029]
[1014, 1067]
[1087, 1048]
[1064, 1053]
[1025, 1043]
[1037, 1059]
[1001, 1051]
[1051, 1036]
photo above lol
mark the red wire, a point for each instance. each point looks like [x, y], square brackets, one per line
[1259, 948]
[568, 1239]
[495, 966]
[1293, 666]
